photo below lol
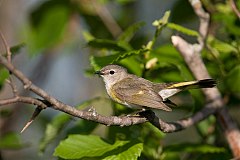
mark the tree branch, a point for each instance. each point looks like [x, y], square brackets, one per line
[191, 55]
[27, 100]
[57, 105]
[93, 116]
[168, 127]
[9, 58]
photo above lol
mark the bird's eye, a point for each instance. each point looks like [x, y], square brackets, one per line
[111, 72]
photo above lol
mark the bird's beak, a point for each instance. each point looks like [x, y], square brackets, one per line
[99, 73]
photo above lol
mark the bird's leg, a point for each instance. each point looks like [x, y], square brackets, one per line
[136, 113]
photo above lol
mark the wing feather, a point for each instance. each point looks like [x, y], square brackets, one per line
[138, 92]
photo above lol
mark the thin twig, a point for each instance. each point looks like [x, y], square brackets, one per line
[9, 58]
[204, 20]
[27, 100]
[9, 54]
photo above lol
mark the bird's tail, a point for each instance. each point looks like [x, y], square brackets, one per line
[205, 83]
[173, 88]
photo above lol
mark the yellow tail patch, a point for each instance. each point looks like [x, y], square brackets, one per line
[181, 84]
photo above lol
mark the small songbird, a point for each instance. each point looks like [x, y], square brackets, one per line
[139, 93]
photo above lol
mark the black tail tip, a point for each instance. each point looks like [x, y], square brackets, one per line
[207, 83]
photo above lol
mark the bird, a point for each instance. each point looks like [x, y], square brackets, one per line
[139, 93]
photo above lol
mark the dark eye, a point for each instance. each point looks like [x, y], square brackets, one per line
[111, 72]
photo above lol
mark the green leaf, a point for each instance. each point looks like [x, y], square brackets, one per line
[182, 29]
[168, 55]
[191, 148]
[10, 141]
[130, 31]
[99, 62]
[49, 31]
[132, 64]
[233, 79]
[108, 44]
[79, 146]
[4, 74]
[131, 153]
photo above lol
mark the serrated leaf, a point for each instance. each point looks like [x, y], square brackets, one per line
[11, 141]
[98, 62]
[79, 146]
[182, 29]
[130, 31]
[107, 44]
[233, 79]
[132, 153]
[190, 148]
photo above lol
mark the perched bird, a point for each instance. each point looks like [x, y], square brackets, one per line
[138, 93]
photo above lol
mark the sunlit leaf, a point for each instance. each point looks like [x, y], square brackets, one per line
[131, 153]
[79, 146]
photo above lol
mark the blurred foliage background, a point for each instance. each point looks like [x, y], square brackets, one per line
[58, 44]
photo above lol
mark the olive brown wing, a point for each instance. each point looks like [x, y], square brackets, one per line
[137, 92]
